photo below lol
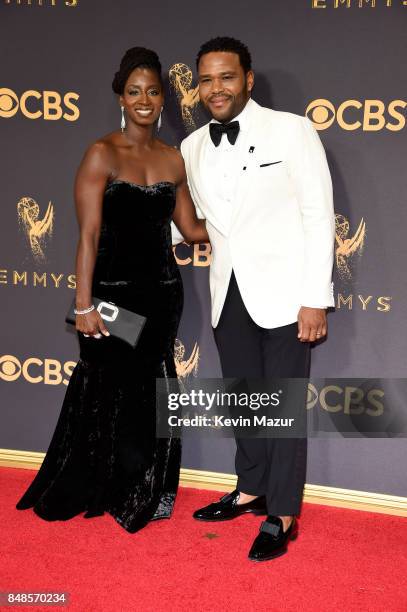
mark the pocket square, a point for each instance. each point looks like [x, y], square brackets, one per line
[270, 163]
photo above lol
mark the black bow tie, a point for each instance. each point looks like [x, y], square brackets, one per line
[217, 129]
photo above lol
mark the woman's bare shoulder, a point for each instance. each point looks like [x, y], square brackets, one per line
[176, 161]
[105, 145]
[102, 151]
[172, 152]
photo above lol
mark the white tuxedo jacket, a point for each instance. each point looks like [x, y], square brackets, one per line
[280, 238]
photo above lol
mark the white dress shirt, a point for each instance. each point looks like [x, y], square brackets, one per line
[222, 165]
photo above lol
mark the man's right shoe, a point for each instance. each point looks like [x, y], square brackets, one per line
[227, 508]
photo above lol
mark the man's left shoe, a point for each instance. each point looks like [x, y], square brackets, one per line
[272, 539]
[227, 508]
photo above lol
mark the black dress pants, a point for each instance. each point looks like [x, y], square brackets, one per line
[272, 467]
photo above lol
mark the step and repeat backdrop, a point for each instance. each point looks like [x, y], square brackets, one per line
[340, 62]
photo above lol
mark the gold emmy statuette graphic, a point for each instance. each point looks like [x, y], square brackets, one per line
[183, 366]
[180, 76]
[37, 230]
[347, 247]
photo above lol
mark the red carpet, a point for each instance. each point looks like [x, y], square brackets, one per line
[343, 560]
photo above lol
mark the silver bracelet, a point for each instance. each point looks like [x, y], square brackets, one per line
[85, 310]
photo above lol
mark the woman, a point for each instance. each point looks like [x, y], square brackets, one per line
[129, 186]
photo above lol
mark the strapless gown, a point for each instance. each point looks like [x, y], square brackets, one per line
[104, 455]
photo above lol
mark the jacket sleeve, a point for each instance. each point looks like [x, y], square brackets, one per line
[176, 235]
[310, 174]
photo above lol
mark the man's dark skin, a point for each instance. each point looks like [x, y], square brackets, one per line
[224, 89]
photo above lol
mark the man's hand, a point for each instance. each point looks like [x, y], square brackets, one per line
[312, 324]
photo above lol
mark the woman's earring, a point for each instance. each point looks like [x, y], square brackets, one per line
[160, 120]
[123, 121]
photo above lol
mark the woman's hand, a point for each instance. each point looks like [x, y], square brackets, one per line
[91, 324]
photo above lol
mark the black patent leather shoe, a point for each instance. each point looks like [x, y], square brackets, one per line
[227, 508]
[272, 541]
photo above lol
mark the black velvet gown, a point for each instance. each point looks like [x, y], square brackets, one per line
[104, 455]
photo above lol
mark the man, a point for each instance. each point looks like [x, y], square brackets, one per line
[260, 179]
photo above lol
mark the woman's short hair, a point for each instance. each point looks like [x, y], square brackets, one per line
[136, 57]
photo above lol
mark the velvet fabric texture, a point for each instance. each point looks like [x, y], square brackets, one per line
[104, 455]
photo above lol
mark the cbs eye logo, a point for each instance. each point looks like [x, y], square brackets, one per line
[35, 370]
[349, 400]
[369, 115]
[50, 105]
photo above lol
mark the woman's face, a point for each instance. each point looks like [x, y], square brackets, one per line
[142, 97]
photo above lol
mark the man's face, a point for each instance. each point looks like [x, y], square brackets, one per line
[224, 88]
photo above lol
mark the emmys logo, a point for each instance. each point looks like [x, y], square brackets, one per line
[71, 3]
[347, 246]
[188, 366]
[37, 230]
[180, 76]
[25, 278]
[369, 115]
[50, 105]
[336, 4]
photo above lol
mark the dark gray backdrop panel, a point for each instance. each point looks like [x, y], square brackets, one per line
[300, 54]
